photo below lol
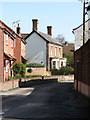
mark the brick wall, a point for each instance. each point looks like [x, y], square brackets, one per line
[1, 55]
[82, 56]
[82, 68]
[38, 71]
[4, 86]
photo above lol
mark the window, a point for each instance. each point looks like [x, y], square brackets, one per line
[55, 51]
[51, 50]
[61, 64]
[6, 39]
[59, 52]
[54, 64]
[6, 65]
[11, 43]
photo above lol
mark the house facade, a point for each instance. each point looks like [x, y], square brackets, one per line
[12, 49]
[78, 32]
[43, 49]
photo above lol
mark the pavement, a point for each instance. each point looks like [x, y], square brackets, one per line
[51, 101]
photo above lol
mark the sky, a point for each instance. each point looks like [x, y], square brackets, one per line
[62, 16]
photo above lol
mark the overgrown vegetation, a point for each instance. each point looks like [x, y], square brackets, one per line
[67, 70]
[34, 65]
[19, 70]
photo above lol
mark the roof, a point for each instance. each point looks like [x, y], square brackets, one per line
[24, 35]
[10, 31]
[80, 25]
[46, 37]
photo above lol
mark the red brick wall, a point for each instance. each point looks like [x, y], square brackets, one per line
[1, 55]
[9, 84]
[17, 49]
[83, 56]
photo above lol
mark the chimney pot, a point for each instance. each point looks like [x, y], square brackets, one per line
[49, 30]
[18, 29]
[35, 24]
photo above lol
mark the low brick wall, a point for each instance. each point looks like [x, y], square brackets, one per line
[4, 86]
[38, 71]
[66, 78]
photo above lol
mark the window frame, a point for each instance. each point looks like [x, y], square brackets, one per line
[55, 51]
[59, 52]
[6, 39]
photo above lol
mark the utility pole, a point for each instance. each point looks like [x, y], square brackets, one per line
[83, 22]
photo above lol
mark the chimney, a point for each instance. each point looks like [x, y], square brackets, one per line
[18, 29]
[66, 43]
[35, 24]
[49, 30]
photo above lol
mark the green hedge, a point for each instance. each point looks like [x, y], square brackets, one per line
[29, 76]
[67, 70]
[34, 65]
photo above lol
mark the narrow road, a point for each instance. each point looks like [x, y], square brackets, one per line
[53, 100]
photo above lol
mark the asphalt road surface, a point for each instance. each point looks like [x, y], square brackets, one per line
[52, 100]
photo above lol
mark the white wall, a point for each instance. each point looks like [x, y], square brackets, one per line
[89, 11]
[36, 49]
[79, 35]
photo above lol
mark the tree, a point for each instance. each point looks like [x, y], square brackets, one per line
[70, 58]
[60, 38]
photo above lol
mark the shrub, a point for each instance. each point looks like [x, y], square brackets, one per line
[29, 70]
[22, 70]
[34, 65]
[54, 69]
[67, 70]
[19, 70]
[17, 76]
[29, 76]
[16, 69]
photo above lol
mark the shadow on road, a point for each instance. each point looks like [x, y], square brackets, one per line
[34, 82]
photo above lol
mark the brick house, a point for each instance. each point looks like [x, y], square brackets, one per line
[12, 49]
[42, 48]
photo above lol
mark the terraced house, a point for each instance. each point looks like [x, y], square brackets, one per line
[42, 48]
[12, 49]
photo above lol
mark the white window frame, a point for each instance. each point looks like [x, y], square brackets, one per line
[59, 52]
[56, 51]
[11, 43]
[6, 39]
[7, 66]
[51, 50]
